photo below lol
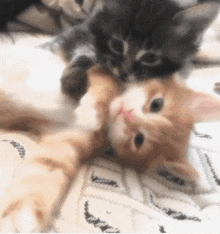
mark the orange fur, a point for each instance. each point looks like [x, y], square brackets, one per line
[46, 176]
[168, 132]
[22, 118]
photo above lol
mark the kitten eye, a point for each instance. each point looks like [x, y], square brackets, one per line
[116, 45]
[150, 59]
[156, 105]
[139, 140]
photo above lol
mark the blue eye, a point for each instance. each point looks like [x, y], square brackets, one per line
[116, 45]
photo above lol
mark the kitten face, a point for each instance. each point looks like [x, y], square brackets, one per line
[160, 50]
[151, 121]
[134, 60]
[134, 40]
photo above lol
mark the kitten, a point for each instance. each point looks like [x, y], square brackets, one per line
[133, 40]
[147, 123]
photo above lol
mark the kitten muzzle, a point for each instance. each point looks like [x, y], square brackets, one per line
[127, 114]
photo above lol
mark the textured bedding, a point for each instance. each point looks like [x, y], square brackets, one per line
[106, 197]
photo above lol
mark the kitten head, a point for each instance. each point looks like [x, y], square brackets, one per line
[160, 49]
[150, 123]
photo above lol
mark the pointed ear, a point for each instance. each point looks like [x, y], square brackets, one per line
[181, 37]
[204, 107]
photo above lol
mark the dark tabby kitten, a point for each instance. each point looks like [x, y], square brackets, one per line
[133, 39]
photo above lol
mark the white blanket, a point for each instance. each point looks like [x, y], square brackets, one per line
[106, 197]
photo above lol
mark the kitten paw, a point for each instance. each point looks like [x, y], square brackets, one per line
[86, 114]
[74, 82]
[25, 215]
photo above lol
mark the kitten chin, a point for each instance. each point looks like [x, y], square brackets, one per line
[151, 122]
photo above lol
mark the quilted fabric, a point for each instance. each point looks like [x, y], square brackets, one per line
[109, 198]
[106, 197]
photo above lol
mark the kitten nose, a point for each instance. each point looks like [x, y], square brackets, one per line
[127, 114]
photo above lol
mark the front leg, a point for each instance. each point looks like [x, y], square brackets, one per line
[42, 182]
[92, 112]
[77, 47]
[74, 80]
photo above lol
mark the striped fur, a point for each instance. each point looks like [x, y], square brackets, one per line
[44, 178]
[35, 105]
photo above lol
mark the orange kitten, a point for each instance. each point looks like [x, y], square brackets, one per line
[148, 124]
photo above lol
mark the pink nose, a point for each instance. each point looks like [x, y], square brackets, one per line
[126, 113]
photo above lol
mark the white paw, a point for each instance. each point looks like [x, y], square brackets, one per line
[25, 215]
[23, 221]
[86, 114]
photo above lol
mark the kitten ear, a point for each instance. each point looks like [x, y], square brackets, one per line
[181, 37]
[205, 107]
